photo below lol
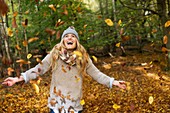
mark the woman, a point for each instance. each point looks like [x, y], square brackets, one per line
[68, 62]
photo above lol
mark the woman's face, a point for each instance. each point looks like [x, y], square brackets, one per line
[70, 41]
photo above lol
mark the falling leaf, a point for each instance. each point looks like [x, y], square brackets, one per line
[25, 23]
[63, 69]
[14, 24]
[10, 70]
[23, 61]
[82, 102]
[118, 44]
[164, 49]
[24, 43]
[26, 12]
[94, 58]
[36, 88]
[29, 56]
[39, 61]
[77, 79]
[119, 22]
[52, 7]
[32, 39]
[125, 38]
[165, 39]
[115, 106]
[78, 53]
[59, 22]
[85, 26]
[167, 24]
[151, 99]
[121, 31]
[17, 47]
[58, 35]
[109, 22]
[10, 32]
[15, 14]
[65, 12]
[50, 31]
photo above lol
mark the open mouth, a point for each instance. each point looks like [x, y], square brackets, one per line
[69, 43]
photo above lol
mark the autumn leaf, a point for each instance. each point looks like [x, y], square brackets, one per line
[165, 39]
[59, 22]
[167, 24]
[82, 102]
[85, 26]
[29, 56]
[50, 31]
[21, 61]
[26, 12]
[115, 106]
[58, 35]
[63, 69]
[14, 24]
[117, 44]
[10, 32]
[79, 54]
[164, 49]
[107, 66]
[24, 43]
[17, 47]
[151, 99]
[15, 14]
[52, 7]
[119, 22]
[10, 70]
[109, 22]
[25, 23]
[77, 79]
[32, 39]
[36, 88]
[39, 61]
[94, 58]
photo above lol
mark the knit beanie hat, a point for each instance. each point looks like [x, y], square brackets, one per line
[70, 30]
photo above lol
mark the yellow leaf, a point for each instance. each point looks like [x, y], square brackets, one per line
[36, 88]
[78, 53]
[32, 39]
[85, 26]
[29, 56]
[52, 7]
[167, 24]
[119, 22]
[118, 44]
[109, 22]
[26, 12]
[82, 102]
[24, 43]
[115, 106]
[17, 47]
[10, 70]
[10, 32]
[107, 66]
[151, 99]
[94, 58]
[38, 60]
[15, 14]
[165, 39]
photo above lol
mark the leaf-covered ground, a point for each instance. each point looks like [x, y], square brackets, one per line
[148, 88]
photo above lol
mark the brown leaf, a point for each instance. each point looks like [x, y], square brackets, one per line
[14, 24]
[165, 39]
[50, 31]
[10, 70]
[63, 69]
[17, 47]
[32, 39]
[25, 43]
[59, 22]
[58, 35]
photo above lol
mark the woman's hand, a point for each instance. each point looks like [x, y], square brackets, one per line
[12, 80]
[120, 84]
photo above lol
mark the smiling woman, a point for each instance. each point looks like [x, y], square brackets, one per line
[69, 62]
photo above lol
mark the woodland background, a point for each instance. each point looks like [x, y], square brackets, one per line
[127, 39]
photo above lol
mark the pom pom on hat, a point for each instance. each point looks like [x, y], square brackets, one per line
[70, 30]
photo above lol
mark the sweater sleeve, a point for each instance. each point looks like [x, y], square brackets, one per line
[39, 69]
[97, 75]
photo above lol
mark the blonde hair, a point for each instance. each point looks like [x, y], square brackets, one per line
[81, 64]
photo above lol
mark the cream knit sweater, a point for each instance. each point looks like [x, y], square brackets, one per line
[66, 84]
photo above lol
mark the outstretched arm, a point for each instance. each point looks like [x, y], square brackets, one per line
[12, 80]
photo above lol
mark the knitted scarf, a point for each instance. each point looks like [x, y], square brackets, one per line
[68, 57]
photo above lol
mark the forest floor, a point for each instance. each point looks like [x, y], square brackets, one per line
[148, 88]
